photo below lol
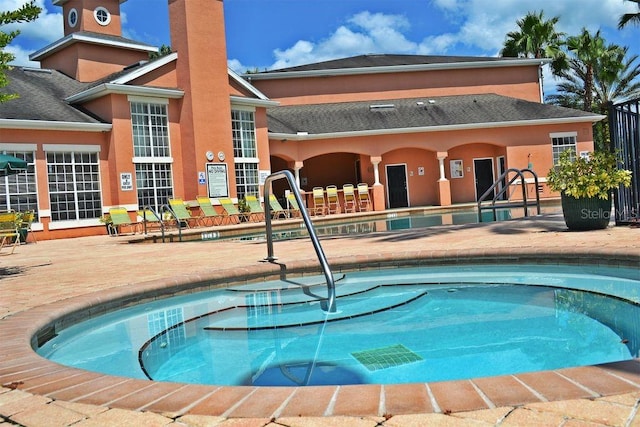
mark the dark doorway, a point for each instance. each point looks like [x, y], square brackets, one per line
[397, 186]
[483, 169]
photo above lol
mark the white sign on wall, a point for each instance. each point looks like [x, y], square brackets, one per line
[218, 185]
[126, 181]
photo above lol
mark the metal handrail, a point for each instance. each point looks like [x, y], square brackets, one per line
[149, 208]
[285, 174]
[519, 173]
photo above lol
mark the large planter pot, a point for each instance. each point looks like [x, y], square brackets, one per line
[590, 213]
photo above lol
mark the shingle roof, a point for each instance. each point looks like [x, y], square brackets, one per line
[385, 60]
[412, 113]
[41, 96]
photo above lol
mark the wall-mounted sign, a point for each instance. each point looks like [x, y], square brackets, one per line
[263, 174]
[218, 184]
[457, 170]
[126, 181]
[202, 178]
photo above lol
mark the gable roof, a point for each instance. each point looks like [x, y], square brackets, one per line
[415, 115]
[92, 38]
[41, 98]
[385, 63]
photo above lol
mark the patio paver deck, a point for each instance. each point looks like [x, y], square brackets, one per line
[41, 280]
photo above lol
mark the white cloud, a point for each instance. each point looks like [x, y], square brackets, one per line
[46, 29]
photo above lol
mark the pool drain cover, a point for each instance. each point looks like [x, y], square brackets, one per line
[386, 357]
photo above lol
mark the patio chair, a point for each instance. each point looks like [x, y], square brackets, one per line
[9, 234]
[25, 225]
[333, 201]
[364, 201]
[183, 214]
[150, 219]
[120, 219]
[209, 214]
[319, 202]
[349, 197]
[256, 212]
[231, 210]
[294, 208]
[276, 208]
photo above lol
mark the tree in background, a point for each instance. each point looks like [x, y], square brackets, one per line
[594, 55]
[628, 18]
[537, 38]
[163, 51]
[28, 12]
[609, 77]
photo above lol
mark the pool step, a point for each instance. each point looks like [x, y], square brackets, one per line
[270, 311]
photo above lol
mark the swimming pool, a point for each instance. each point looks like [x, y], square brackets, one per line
[274, 333]
[402, 219]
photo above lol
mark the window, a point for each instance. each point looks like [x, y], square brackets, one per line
[19, 192]
[102, 16]
[74, 185]
[561, 142]
[72, 18]
[245, 152]
[152, 151]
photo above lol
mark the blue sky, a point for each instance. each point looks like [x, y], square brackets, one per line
[268, 34]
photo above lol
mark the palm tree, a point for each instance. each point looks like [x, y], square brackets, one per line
[537, 38]
[614, 79]
[592, 53]
[630, 17]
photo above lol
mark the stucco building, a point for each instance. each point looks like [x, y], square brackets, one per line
[101, 125]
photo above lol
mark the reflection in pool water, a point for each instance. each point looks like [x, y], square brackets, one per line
[392, 326]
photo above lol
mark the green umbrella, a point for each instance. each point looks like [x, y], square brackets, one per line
[10, 165]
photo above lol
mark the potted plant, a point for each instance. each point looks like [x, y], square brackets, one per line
[108, 223]
[585, 185]
[244, 209]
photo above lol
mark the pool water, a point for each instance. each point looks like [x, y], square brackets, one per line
[391, 326]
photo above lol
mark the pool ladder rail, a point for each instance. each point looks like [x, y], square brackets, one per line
[503, 186]
[285, 174]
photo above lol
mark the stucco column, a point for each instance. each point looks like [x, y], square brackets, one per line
[377, 189]
[296, 171]
[444, 185]
[375, 161]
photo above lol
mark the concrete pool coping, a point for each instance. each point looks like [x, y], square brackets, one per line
[37, 294]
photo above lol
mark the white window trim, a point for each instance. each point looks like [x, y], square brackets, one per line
[246, 160]
[102, 9]
[72, 12]
[563, 135]
[74, 148]
[238, 107]
[18, 147]
[147, 100]
[153, 160]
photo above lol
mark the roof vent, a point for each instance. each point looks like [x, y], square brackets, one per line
[377, 107]
[37, 70]
[432, 101]
[135, 64]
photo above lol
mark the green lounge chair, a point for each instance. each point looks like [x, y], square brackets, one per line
[294, 208]
[182, 213]
[256, 210]
[120, 219]
[150, 220]
[276, 208]
[232, 211]
[209, 213]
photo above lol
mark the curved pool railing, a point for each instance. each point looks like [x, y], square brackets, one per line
[331, 286]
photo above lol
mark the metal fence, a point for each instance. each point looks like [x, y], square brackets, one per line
[624, 127]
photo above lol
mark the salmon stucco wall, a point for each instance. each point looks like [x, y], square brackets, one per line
[517, 82]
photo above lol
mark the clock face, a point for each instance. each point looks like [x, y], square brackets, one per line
[221, 155]
[210, 155]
